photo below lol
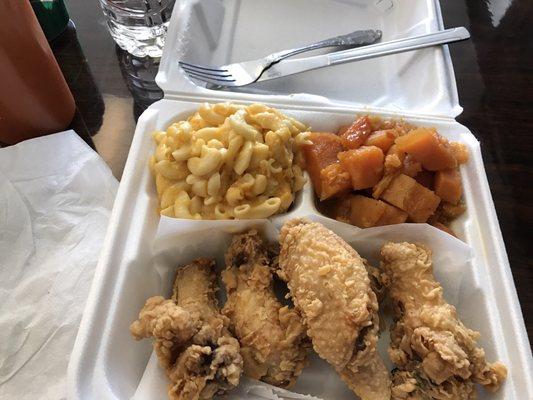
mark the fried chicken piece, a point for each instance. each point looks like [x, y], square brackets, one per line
[191, 338]
[436, 356]
[331, 289]
[272, 336]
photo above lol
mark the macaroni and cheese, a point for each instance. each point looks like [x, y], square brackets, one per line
[228, 161]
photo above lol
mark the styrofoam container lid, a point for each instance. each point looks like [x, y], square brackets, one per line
[212, 32]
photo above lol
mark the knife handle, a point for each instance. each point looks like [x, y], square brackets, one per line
[398, 46]
[356, 38]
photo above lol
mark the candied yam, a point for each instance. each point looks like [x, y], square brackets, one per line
[407, 194]
[364, 211]
[400, 126]
[422, 204]
[399, 190]
[382, 185]
[325, 145]
[425, 178]
[357, 133]
[403, 127]
[334, 180]
[444, 215]
[410, 166]
[392, 163]
[341, 209]
[377, 123]
[448, 185]
[426, 146]
[342, 129]
[451, 211]
[337, 208]
[460, 152]
[383, 139]
[319, 154]
[395, 151]
[365, 166]
[391, 216]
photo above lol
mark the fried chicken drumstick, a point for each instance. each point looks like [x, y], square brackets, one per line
[271, 335]
[331, 289]
[200, 356]
[435, 355]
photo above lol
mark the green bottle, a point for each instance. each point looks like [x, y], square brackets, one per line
[52, 15]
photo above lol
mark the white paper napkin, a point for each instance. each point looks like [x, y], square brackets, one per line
[56, 196]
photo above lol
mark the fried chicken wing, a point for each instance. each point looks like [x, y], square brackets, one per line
[436, 356]
[331, 289]
[272, 336]
[191, 338]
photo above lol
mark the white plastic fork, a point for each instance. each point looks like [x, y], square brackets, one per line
[240, 74]
[244, 73]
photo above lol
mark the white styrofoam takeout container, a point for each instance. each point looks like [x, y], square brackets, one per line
[420, 87]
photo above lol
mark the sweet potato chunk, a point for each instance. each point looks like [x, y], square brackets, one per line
[383, 139]
[357, 133]
[366, 212]
[325, 145]
[391, 216]
[410, 166]
[395, 150]
[401, 172]
[407, 194]
[425, 146]
[337, 208]
[448, 211]
[365, 166]
[401, 127]
[425, 178]
[321, 153]
[460, 152]
[342, 129]
[382, 185]
[334, 180]
[392, 164]
[341, 209]
[448, 185]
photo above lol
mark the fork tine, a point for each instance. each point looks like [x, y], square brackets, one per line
[215, 78]
[206, 73]
[201, 67]
[215, 81]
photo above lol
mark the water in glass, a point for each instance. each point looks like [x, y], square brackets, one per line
[139, 26]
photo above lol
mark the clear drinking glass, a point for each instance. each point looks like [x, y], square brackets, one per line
[139, 26]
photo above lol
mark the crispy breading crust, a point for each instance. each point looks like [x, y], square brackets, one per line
[330, 287]
[435, 354]
[272, 336]
[191, 339]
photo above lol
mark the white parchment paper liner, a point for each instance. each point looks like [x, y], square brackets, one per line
[179, 241]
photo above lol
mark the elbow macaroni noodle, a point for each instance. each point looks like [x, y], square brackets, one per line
[228, 161]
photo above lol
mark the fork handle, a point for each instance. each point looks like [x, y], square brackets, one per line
[355, 38]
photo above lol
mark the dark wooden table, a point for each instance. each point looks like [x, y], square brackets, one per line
[494, 74]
